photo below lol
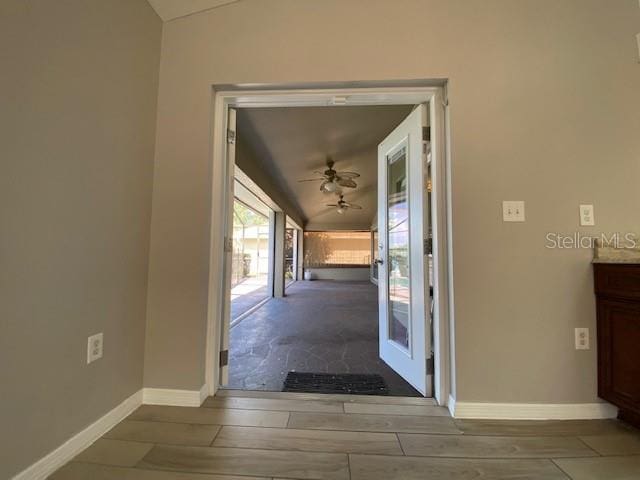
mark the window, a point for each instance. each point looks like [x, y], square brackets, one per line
[337, 249]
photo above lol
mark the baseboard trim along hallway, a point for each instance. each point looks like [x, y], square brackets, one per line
[147, 396]
[69, 449]
[176, 398]
[532, 411]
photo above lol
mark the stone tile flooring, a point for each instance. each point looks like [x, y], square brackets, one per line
[319, 326]
[247, 295]
[276, 436]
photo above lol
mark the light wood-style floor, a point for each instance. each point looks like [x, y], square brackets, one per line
[269, 435]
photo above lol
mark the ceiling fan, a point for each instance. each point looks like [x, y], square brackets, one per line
[344, 206]
[332, 180]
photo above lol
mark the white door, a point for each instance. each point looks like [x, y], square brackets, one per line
[404, 316]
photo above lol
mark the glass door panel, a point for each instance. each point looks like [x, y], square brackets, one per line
[398, 241]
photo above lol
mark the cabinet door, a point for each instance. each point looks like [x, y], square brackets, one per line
[619, 353]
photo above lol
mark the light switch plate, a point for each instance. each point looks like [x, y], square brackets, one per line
[586, 216]
[582, 339]
[94, 347]
[513, 211]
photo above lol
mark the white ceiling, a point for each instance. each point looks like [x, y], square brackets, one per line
[291, 143]
[171, 9]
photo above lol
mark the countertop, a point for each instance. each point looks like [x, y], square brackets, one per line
[623, 254]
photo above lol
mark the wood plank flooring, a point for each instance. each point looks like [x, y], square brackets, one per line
[287, 436]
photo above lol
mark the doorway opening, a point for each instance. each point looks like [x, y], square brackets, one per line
[333, 295]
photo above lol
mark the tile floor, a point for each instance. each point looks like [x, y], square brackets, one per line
[247, 294]
[320, 326]
[277, 436]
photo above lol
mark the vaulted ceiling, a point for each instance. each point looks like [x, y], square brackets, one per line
[172, 9]
[291, 143]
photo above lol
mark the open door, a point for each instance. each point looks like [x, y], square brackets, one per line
[403, 290]
[228, 248]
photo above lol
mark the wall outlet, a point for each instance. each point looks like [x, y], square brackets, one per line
[586, 216]
[582, 339]
[513, 211]
[94, 347]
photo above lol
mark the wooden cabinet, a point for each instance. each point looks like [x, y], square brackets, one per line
[617, 289]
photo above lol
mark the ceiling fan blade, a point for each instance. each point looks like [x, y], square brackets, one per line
[348, 174]
[331, 205]
[352, 205]
[311, 180]
[347, 182]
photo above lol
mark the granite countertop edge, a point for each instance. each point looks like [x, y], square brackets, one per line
[630, 261]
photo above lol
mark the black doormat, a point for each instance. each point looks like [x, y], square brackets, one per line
[354, 384]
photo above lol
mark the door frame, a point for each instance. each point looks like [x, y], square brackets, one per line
[222, 174]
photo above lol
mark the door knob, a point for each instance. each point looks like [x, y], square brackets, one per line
[379, 261]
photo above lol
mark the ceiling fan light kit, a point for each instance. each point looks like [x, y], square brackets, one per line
[342, 205]
[329, 187]
[333, 181]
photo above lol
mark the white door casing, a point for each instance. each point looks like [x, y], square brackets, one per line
[228, 97]
[228, 247]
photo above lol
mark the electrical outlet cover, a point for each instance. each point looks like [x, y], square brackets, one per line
[513, 211]
[94, 347]
[582, 339]
[587, 218]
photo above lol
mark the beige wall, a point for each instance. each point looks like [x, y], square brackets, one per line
[545, 107]
[77, 128]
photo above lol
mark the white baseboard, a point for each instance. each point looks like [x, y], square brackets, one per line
[451, 405]
[150, 396]
[532, 411]
[69, 449]
[176, 398]
[204, 393]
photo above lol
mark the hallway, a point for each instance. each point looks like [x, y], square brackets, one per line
[319, 326]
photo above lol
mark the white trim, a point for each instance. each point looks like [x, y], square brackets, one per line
[176, 398]
[451, 405]
[441, 248]
[204, 393]
[532, 411]
[354, 93]
[69, 449]
[446, 359]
